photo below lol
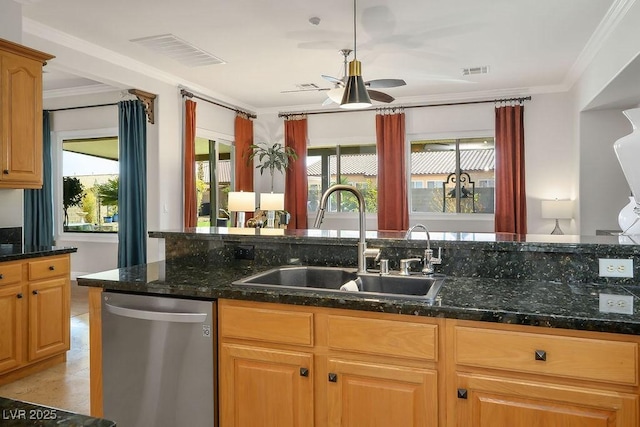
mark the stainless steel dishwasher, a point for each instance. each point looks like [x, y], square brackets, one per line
[158, 361]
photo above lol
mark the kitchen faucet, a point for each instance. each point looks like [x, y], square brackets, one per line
[429, 260]
[363, 252]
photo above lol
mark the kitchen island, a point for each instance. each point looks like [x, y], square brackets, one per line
[516, 329]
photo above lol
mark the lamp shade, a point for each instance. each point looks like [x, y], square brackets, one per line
[355, 92]
[272, 201]
[557, 209]
[242, 201]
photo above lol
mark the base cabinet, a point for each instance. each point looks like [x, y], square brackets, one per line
[265, 387]
[35, 319]
[499, 402]
[371, 394]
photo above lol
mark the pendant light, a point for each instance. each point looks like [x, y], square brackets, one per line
[355, 92]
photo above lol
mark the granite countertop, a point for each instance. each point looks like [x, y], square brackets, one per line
[14, 252]
[15, 413]
[525, 302]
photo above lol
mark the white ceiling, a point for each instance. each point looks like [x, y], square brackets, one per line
[270, 46]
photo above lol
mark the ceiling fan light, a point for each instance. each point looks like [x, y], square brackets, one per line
[355, 92]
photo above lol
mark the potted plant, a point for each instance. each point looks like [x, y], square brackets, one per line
[72, 191]
[272, 157]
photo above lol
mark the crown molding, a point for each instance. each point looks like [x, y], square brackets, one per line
[609, 22]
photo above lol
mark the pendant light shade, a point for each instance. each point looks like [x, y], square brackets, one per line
[355, 92]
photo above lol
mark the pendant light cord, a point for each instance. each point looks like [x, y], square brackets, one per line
[355, 49]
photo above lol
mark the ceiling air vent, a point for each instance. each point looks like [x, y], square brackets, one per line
[178, 50]
[475, 70]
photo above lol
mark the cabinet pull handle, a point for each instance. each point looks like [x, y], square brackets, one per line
[35, 292]
[541, 355]
[333, 378]
[462, 393]
[19, 296]
[52, 267]
[304, 372]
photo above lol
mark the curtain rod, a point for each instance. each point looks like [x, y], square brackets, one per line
[81, 107]
[486, 101]
[188, 94]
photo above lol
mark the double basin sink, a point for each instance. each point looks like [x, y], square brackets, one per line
[332, 279]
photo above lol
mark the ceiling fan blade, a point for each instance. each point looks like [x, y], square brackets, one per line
[333, 79]
[319, 89]
[380, 96]
[382, 83]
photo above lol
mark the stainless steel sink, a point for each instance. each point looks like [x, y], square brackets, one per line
[332, 278]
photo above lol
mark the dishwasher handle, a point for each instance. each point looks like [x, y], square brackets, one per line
[163, 316]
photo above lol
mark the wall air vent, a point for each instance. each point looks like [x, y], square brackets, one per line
[178, 50]
[475, 70]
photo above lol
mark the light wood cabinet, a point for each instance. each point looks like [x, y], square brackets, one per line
[507, 376]
[35, 317]
[20, 115]
[369, 370]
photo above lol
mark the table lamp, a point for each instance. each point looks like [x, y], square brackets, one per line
[271, 202]
[557, 209]
[241, 202]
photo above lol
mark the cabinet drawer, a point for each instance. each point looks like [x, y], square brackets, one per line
[383, 337]
[276, 326]
[48, 267]
[570, 357]
[11, 273]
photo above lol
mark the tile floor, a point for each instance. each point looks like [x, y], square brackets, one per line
[64, 386]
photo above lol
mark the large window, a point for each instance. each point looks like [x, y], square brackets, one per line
[459, 175]
[90, 185]
[353, 165]
[214, 172]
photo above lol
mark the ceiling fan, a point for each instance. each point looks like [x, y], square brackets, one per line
[335, 94]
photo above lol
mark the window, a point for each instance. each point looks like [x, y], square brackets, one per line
[90, 184]
[353, 165]
[214, 173]
[459, 174]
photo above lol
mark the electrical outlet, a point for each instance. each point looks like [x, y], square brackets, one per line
[245, 252]
[611, 303]
[615, 267]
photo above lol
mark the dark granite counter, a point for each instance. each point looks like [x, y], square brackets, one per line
[13, 252]
[516, 301]
[15, 413]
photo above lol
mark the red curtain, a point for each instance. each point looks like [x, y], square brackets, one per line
[393, 203]
[295, 188]
[243, 166]
[190, 200]
[511, 206]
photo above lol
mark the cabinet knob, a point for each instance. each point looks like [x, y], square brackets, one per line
[1, 277]
[541, 355]
[462, 393]
[35, 292]
[333, 378]
[304, 372]
[6, 171]
[19, 296]
[52, 267]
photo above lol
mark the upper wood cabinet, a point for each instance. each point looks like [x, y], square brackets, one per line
[20, 115]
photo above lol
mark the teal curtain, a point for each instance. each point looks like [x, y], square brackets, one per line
[132, 189]
[38, 204]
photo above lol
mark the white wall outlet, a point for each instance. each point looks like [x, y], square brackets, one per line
[611, 303]
[615, 267]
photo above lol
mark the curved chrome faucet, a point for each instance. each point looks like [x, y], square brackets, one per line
[362, 244]
[429, 259]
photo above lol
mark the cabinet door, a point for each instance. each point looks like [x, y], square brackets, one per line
[497, 402]
[21, 128]
[49, 320]
[265, 387]
[372, 395]
[11, 327]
